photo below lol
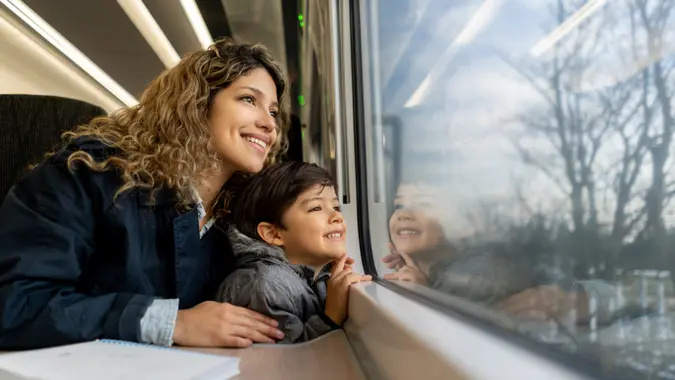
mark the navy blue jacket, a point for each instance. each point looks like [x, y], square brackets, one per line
[75, 265]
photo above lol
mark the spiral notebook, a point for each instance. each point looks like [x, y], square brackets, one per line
[115, 360]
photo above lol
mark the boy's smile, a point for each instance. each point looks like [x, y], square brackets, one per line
[314, 230]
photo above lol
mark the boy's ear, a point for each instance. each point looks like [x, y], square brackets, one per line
[270, 234]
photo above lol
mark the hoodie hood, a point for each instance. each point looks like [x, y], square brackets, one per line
[247, 250]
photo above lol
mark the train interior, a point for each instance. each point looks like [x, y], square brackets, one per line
[514, 157]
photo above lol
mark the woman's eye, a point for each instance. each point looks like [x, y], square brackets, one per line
[398, 207]
[274, 113]
[248, 99]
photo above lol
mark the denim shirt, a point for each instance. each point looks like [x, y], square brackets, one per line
[159, 321]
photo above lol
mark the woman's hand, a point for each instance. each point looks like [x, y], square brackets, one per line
[337, 292]
[405, 266]
[544, 303]
[214, 324]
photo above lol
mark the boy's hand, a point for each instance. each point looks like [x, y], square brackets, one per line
[408, 271]
[337, 293]
[393, 260]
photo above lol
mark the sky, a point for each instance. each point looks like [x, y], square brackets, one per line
[470, 115]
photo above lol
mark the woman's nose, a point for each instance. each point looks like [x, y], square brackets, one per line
[267, 122]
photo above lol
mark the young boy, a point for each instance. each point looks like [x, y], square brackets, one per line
[286, 227]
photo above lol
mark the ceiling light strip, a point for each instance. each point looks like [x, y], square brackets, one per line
[563, 29]
[40, 26]
[198, 25]
[140, 15]
[479, 20]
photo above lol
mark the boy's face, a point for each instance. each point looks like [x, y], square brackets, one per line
[315, 230]
[413, 226]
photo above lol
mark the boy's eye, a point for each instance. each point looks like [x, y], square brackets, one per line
[317, 208]
[337, 208]
[423, 205]
[398, 207]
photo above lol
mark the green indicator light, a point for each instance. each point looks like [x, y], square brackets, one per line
[302, 24]
[300, 17]
[301, 100]
[302, 134]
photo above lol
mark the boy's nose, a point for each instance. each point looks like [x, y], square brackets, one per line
[336, 217]
[405, 214]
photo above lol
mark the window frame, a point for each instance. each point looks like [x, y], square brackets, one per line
[448, 305]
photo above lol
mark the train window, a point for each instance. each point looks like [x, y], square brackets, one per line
[519, 155]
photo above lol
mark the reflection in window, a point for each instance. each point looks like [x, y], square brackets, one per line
[533, 172]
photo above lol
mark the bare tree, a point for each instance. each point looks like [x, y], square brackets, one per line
[577, 125]
[649, 20]
[574, 124]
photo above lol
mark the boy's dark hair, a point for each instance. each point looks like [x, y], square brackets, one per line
[266, 196]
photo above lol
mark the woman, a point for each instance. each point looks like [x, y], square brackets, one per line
[110, 236]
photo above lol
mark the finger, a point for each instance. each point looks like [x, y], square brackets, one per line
[350, 260]
[395, 264]
[391, 257]
[535, 315]
[516, 299]
[236, 341]
[391, 276]
[339, 265]
[250, 333]
[519, 305]
[408, 260]
[353, 278]
[248, 313]
[343, 273]
[406, 276]
[260, 327]
[366, 278]
[256, 325]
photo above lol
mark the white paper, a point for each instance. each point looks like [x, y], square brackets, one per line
[108, 361]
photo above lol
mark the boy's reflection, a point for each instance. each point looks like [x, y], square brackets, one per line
[490, 273]
[416, 233]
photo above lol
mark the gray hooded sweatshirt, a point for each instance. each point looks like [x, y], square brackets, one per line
[266, 282]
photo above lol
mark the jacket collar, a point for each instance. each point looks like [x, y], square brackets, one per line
[246, 249]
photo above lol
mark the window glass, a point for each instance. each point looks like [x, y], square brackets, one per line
[525, 150]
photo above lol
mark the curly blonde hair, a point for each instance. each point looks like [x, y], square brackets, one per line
[165, 141]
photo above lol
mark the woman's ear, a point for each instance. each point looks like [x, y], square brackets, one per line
[270, 234]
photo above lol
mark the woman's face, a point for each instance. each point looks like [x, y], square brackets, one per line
[243, 121]
[412, 226]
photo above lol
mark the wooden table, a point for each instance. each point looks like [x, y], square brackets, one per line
[329, 357]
